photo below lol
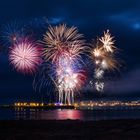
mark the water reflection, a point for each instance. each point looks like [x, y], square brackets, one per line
[58, 114]
[61, 114]
[64, 114]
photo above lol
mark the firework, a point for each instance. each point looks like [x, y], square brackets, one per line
[66, 85]
[44, 78]
[108, 42]
[103, 56]
[97, 52]
[25, 56]
[99, 73]
[62, 40]
[110, 63]
[68, 81]
[99, 86]
[11, 33]
[64, 47]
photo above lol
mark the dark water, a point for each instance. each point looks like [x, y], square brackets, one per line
[63, 114]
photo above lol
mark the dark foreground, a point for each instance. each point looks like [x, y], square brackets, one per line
[70, 130]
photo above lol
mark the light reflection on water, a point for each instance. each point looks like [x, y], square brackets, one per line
[63, 114]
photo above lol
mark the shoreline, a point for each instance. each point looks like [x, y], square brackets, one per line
[69, 129]
[38, 107]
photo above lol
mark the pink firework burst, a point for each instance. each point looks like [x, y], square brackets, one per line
[25, 56]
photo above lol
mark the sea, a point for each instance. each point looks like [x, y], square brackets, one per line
[69, 114]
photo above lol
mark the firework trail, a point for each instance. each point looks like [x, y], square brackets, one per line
[64, 47]
[25, 56]
[68, 80]
[103, 55]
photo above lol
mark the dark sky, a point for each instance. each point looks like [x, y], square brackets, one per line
[92, 17]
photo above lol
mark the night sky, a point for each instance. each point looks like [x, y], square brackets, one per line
[91, 17]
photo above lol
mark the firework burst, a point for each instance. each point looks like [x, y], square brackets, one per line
[25, 56]
[64, 47]
[62, 40]
[103, 56]
[108, 42]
